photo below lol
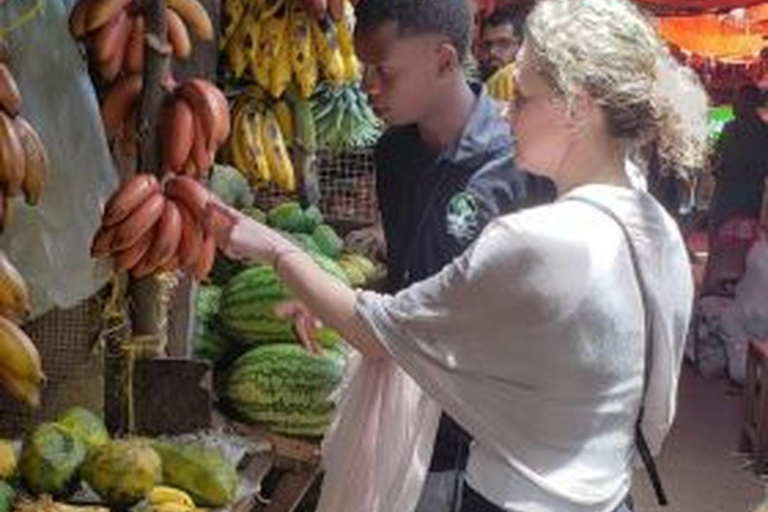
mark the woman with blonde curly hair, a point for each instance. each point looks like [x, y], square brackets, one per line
[552, 333]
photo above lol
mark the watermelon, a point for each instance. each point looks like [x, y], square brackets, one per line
[284, 387]
[247, 305]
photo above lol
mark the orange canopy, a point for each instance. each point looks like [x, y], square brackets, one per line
[698, 5]
[736, 36]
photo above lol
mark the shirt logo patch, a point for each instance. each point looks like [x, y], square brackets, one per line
[461, 218]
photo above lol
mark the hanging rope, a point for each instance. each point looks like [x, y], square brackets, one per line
[23, 19]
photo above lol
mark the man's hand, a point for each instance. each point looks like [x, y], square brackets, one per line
[305, 324]
[369, 241]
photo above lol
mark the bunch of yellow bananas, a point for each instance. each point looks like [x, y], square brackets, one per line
[20, 369]
[169, 499]
[259, 143]
[275, 41]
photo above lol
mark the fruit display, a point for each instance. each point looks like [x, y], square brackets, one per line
[276, 42]
[23, 157]
[343, 118]
[148, 227]
[155, 476]
[259, 144]
[286, 388]
[115, 33]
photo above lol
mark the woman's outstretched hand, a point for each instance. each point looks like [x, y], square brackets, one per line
[241, 237]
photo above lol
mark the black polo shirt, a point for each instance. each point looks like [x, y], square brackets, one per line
[434, 205]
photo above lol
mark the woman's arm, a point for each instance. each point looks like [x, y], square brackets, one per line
[330, 300]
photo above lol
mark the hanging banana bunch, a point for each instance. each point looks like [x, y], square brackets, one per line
[261, 133]
[276, 42]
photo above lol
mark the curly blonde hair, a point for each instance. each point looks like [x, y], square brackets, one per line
[611, 50]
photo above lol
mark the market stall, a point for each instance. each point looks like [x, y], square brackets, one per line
[179, 107]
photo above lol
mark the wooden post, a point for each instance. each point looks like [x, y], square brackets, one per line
[144, 294]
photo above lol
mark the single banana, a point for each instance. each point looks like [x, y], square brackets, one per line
[251, 40]
[195, 16]
[10, 97]
[256, 149]
[281, 71]
[285, 119]
[35, 160]
[233, 13]
[344, 29]
[14, 296]
[268, 50]
[12, 159]
[327, 46]
[277, 154]
[238, 143]
[303, 58]
[236, 51]
[22, 389]
[18, 355]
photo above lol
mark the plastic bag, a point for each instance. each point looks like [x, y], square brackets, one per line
[377, 453]
[747, 317]
[49, 243]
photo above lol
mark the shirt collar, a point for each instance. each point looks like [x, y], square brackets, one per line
[485, 129]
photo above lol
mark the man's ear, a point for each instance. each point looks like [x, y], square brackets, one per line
[447, 58]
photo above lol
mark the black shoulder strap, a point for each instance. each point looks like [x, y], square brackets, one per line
[640, 442]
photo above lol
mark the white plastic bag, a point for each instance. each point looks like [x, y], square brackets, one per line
[377, 453]
[747, 317]
[49, 243]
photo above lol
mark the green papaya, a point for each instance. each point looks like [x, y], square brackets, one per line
[328, 241]
[203, 473]
[51, 457]
[123, 472]
[85, 425]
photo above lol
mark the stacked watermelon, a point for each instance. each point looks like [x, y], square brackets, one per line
[264, 374]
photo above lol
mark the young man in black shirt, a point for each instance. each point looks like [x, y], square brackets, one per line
[444, 167]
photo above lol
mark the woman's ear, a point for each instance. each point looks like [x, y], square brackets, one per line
[582, 109]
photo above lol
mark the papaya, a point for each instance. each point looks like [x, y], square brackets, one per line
[50, 460]
[123, 472]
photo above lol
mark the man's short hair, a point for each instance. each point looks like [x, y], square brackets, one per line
[449, 18]
[507, 15]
